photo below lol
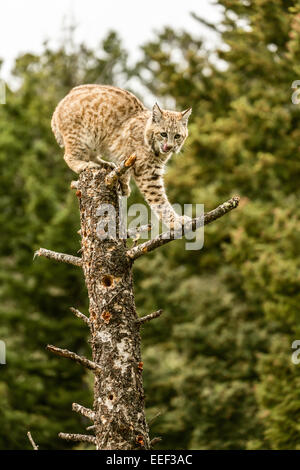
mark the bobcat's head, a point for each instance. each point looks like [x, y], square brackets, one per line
[166, 131]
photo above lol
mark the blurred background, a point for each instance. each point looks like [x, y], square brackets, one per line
[217, 364]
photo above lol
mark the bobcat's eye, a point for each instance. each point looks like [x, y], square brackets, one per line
[177, 136]
[164, 134]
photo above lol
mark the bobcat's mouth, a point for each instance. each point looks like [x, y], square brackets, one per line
[161, 149]
[165, 148]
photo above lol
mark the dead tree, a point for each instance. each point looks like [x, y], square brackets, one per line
[118, 415]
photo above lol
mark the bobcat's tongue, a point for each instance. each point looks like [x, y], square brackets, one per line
[165, 147]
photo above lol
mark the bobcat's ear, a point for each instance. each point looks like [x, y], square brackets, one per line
[157, 113]
[185, 115]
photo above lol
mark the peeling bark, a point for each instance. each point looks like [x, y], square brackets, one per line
[120, 421]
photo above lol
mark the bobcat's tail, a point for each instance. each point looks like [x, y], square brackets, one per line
[56, 131]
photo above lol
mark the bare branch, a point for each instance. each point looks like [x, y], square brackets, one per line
[74, 185]
[80, 315]
[154, 418]
[62, 257]
[112, 178]
[75, 357]
[35, 447]
[90, 428]
[149, 317]
[136, 234]
[167, 237]
[77, 437]
[83, 411]
[133, 232]
[206, 23]
[154, 441]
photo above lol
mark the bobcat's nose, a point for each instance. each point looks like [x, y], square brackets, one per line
[167, 147]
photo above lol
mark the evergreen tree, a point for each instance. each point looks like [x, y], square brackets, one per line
[231, 309]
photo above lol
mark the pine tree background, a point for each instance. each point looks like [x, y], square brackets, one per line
[217, 364]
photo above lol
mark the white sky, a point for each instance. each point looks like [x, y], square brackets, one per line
[25, 24]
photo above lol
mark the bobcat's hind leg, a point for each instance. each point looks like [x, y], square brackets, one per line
[77, 157]
[78, 165]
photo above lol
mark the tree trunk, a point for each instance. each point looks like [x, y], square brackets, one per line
[118, 413]
[119, 417]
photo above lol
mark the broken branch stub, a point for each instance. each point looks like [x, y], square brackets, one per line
[112, 178]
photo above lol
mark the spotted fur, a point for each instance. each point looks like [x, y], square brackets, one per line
[95, 121]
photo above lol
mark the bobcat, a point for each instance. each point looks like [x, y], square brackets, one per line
[95, 121]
